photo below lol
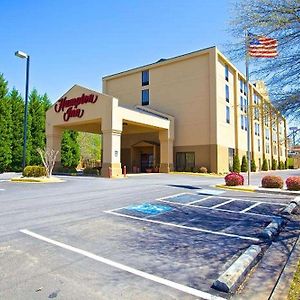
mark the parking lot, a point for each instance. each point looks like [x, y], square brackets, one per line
[148, 237]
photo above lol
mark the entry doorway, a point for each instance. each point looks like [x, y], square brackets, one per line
[146, 162]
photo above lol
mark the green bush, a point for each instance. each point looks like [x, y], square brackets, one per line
[274, 164]
[91, 171]
[281, 165]
[265, 165]
[253, 165]
[244, 165]
[67, 170]
[34, 171]
[236, 164]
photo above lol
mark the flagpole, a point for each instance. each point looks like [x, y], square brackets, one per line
[248, 107]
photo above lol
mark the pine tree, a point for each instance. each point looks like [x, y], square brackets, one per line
[265, 165]
[5, 127]
[17, 105]
[274, 164]
[37, 126]
[70, 153]
[244, 166]
[236, 164]
[253, 165]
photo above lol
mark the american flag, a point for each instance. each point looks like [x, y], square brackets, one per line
[262, 46]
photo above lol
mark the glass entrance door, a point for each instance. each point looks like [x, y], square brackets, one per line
[146, 162]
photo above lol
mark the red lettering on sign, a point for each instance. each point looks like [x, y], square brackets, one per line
[71, 106]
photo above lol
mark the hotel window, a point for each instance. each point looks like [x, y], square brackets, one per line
[228, 114]
[258, 145]
[245, 88]
[226, 73]
[145, 77]
[255, 128]
[267, 148]
[275, 149]
[241, 85]
[185, 161]
[246, 123]
[145, 97]
[242, 103]
[230, 157]
[242, 122]
[267, 134]
[227, 93]
[245, 105]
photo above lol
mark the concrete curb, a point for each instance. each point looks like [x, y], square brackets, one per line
[37, 180]
[292, 206]
[281, 289]
[296, 201]
[257, 190]
[235, 188]
[236, 273]
[272, 229]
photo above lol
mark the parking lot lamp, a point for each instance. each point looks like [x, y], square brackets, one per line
[22, 55]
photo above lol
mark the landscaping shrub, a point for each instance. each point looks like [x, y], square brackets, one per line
[281, 165]
[244, 165]
[34, 171]
[293, 183]
[265, 165]
[67, 170]
[272, 182]
[274, 164]
[253, 166]
[236, 164]
[202, 170]
[91, 171]
[233, 179]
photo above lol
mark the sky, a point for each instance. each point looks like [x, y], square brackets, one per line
[79, 42]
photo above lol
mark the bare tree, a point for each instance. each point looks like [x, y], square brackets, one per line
[278, 19]
[48, 157]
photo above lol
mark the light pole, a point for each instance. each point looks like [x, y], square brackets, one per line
[21, 54]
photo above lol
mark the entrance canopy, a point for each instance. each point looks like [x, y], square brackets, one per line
[86, 110]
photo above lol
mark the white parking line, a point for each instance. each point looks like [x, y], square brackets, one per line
[223, 203]
[166, 282]
[199, 200]
[219, 209]
[185, 227]
[250, 207]
[175, 195]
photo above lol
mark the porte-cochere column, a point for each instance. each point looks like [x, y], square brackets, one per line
[166, 151]
[111, 144]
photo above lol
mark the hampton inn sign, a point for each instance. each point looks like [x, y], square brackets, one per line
[187, 104]
[70, 106]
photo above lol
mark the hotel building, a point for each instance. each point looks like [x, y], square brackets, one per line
[179, 114]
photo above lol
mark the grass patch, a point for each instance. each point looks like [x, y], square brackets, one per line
[294, 293]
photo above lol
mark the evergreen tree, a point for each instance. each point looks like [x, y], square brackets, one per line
[37, 126]
[17, 106]
[236, 164]
[244, 166]
[253, 165]
[274, 164]
[265, 165]
[5, 126]
[70, 153]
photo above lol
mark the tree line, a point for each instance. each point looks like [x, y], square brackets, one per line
[11, 130]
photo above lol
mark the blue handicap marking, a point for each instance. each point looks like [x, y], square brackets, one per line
[210, 192]
[150, 209]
